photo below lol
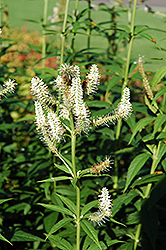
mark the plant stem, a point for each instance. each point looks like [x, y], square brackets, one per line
[44, 32]
[78, 217]
[74, 21]
[63, 31]
[76, 184]
[130, 44]
[89, 25]
[125, 82]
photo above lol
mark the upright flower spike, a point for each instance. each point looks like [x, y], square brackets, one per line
[124, 108]
[92, 80]
[81, 112]
[145, 79]
[105, 207]
[8, 87]
[48, 126]
[41, 93]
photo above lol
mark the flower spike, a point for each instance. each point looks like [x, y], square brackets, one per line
[124, 108]
[105, 207]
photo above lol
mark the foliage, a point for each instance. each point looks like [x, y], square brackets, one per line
[37, 201]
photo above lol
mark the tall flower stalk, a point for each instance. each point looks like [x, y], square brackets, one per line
[119, 125]
[71, 106]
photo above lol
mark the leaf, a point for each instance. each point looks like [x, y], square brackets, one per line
[56, 208]
[59, 178]
[117, 222]
[135, 166]
[90, 231]
[158, 76]
[4, 200]
[58, 225]
[114, 80]
[123, 199]
[68, 203]
[88, 206]
[158, 122]
[157, 193]
[63, 168]
[147, 179]
[4, 239]
[113, 242]
[24, 236]
[159, 93]
[140, 125]
[162, 152]
[101, 104]
[60, 242]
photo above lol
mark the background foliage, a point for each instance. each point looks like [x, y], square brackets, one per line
[100, 34]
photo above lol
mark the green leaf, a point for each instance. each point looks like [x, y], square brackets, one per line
[88, 206]
[157, 193]
[68, 203]
[4, 239]
[90, 231]
[158, 76]
[112, 83]
[159, 93]
[140, 125]
[56, 208]
[4, 200]
[23, 236]
[113, 242]
[147, 179]
[60, 242]
[123, 200]
[63, 168]
[162, 152]
[59, 178]
[135, 166]
[101, 104]
[117, 222]
[158, 122]
[58, 225]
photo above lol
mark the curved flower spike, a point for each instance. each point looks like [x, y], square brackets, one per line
[105, 206]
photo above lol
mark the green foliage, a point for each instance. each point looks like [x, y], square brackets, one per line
[37, 197]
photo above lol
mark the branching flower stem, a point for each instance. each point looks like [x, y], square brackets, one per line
[119, 125]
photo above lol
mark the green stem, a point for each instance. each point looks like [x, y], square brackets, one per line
[74, 21]
[63, 31]
[78, 217]
[73, 151]
[44, 32]
[126, 80]
[130, 44]
[89, 27]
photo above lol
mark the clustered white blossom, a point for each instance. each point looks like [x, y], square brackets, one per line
[8, 87]
[124, 108]
[70, 104]
[105, 207]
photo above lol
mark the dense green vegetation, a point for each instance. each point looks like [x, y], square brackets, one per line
[38, 193]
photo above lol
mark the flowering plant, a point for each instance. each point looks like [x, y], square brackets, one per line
[67, 114]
